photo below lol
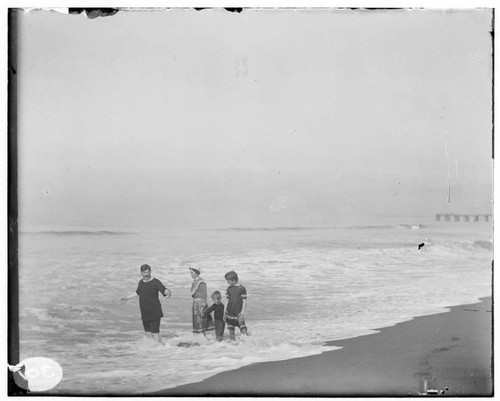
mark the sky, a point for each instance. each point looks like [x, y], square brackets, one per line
[263, 118]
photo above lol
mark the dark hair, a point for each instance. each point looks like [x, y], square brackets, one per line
[145, 267]
[231, 276]
[216, 293]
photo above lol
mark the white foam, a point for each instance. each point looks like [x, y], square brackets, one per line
[300, 296]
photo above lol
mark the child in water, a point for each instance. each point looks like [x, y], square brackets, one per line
[218, 309]
[234, 315]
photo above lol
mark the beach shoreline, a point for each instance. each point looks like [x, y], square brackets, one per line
[450, 353]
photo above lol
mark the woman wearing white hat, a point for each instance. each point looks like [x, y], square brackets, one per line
[201, 323]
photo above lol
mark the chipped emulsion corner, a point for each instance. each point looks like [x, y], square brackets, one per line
[93, 13]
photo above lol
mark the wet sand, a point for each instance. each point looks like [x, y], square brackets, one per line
[449, 352]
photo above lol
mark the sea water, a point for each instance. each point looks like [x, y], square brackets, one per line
[306, 286]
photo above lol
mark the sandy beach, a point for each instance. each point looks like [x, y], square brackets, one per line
[449, 352]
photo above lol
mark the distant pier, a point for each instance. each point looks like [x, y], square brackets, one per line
[463, 217]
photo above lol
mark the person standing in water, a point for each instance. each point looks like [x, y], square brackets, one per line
[234, 314]
[201, 322]
[151, 312]
[218, 309]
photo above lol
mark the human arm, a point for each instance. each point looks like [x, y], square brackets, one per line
[127, 298]
[225, 308]
[241, 315]
[202, 291]
[133, 295]
[208, 310]
[164, 290]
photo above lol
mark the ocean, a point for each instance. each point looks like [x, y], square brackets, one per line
[306, 286]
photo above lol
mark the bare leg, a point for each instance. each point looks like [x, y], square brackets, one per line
[231, 334]
[156, 337]
[149, 334]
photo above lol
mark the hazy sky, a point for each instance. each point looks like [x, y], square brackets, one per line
[266, 117]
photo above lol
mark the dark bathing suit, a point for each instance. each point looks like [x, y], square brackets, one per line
[235, 294]
[218, 310]
[149, 303]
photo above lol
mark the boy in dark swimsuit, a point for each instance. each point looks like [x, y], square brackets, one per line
[234, 315]
[218, 309]
[151, 313]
